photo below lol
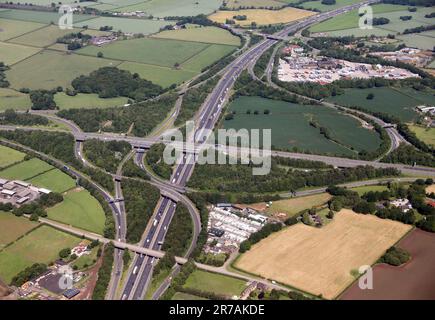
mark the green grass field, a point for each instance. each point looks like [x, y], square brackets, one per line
[364, 189]
[167, 8]
[86, 260]
[54, 180]
[9, 156]
[423, 40]
[186, 296]
[80, 210]
[83, 101]
[12, 227]
[13, 28]
[216, 283]
[42, 245]
[11, 99]
[49, 69]
[148, 50]
[347, 24]
[124, 24]
[290, 124]
[387, 100]
[293, 206]
[427, 135]
[322, 7]
[44, 17]
[163, 76]
[12, 53]
[26, 170]
[201, 34]
[206, 57]
[42, 37]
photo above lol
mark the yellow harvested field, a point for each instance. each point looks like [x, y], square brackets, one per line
[320, 260]
[430, 188]
[262, 16]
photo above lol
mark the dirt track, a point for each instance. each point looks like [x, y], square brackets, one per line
[414, 280]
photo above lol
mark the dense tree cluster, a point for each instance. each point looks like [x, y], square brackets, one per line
[104, 274]
[262, 62]
[131, 170]
[28, 274]
[328, 2]
[256, 237]
[139, 119]
[3, 82]
[22, 119]
[110, 82]
[410, 2]
[193, 100]
[395, 256]
[379, 21]
[43, 100]
[179, 280]
[234, 178]
[179, 235]
[246, 86]
[106, 155]
[419, 29]
[409, 155]
[140, 200]
[154, 158]
[74, 40]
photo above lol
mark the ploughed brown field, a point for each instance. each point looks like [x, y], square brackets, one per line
[413, 280]
[322, 260]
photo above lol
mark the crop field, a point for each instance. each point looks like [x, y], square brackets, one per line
[293, 206]
[347, 24]
[217, 283]
[80, 210]
[323, 7]
[416, 279]
[388, 100]
[235, 4]
[290, 124]
[42, 37]
[9, 156]
[42, 245]
[201, 34]
[26, 169]
[12, 227]
[11, 99]
[13, 53]
[13, 28]
[49, 69]
[144, 26]
[54, 180]
[83, 101]
[163, 76]
[427, 135]
[262, 16]
[168, 8]
[320, 260]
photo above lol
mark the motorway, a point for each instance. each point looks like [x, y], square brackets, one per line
[208, 116]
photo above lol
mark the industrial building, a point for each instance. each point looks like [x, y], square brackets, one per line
[19, 192]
